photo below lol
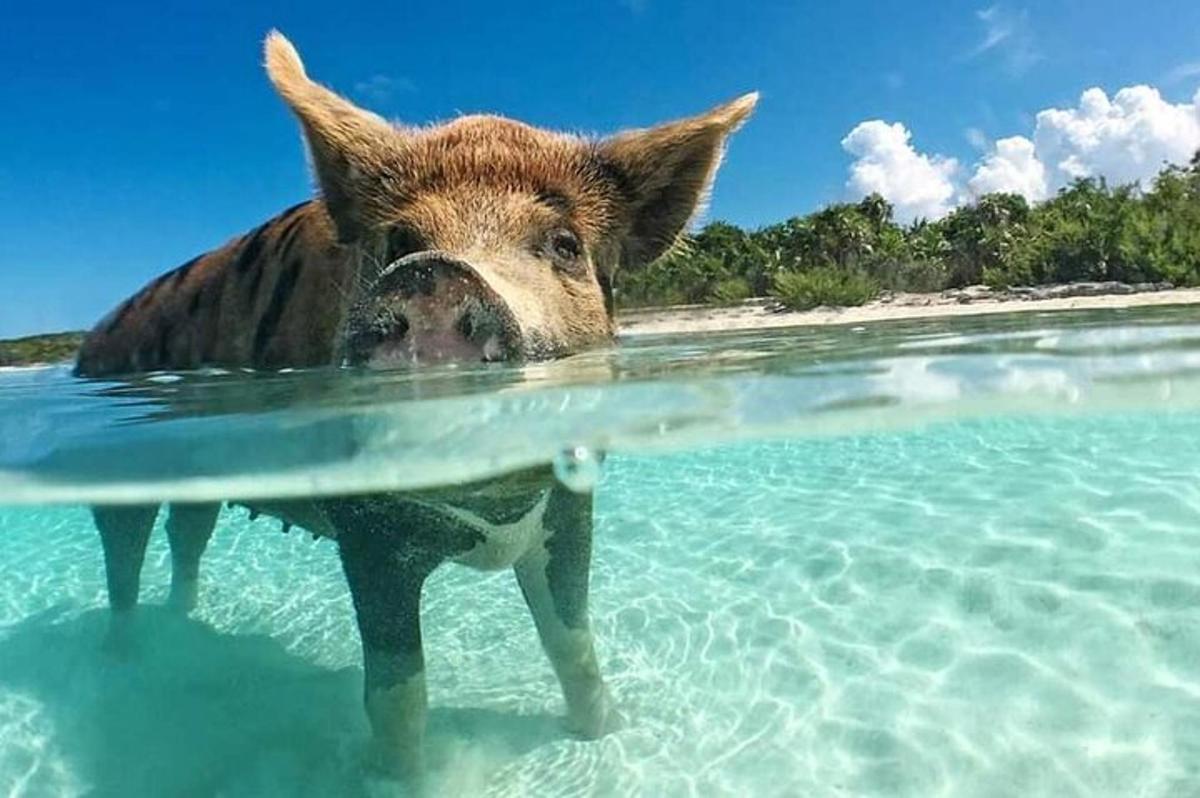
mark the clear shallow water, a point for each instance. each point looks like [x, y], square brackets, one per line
[1004, 603]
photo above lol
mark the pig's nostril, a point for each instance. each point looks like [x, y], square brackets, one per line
[479, 328]
[365, 337]
[466, 326]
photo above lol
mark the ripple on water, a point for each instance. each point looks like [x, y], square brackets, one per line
[1009, 607]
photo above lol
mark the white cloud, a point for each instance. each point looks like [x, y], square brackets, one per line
[885, 162]
[1182, 72]
[998, 28]
[1011, 167]
[977, 138]
[1124, 139]
[383, 88]
[1009, 36]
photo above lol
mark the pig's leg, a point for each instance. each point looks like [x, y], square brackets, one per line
[554, 579]
[124, 532]
[386, 573]
[189, 527]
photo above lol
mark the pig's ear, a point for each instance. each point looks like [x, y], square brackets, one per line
[665, 173]
[354, 152]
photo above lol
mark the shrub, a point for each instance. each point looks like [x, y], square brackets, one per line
[916, 276]
[730, 291]
[52, 348]
[824, 286]
[845, 253]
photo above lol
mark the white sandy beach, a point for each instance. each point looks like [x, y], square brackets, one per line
[758, 314]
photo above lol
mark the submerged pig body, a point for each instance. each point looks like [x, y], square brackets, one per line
[480, 239]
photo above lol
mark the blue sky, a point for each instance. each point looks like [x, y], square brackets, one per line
[135, 135]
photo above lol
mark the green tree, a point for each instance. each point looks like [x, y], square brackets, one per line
[982, 240]
[846, 252]
[1166, 226]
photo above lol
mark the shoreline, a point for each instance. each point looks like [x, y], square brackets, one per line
[763, 313]
[758, 314]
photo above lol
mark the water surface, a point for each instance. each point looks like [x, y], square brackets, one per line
[953, 558]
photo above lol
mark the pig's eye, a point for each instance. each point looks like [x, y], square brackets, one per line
[565, 246]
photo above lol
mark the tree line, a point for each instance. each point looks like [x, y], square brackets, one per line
[847, 253]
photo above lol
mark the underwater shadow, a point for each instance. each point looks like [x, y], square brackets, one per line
[198, 712]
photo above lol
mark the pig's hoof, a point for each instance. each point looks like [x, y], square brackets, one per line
[378, 786]
[389, 775]
[120, 643]
[183, 597]
[593, 725]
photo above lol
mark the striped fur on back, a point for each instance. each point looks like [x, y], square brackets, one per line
[271, 298]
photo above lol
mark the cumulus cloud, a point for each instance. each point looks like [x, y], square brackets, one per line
[1012, 167]
[1125, 139]
[886, 163]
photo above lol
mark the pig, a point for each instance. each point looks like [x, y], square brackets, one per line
[479, 239]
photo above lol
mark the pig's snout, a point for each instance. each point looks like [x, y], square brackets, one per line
[430, 309]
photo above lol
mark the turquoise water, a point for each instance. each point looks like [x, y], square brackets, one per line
[942, 558]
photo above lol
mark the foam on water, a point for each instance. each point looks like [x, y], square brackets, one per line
[989, 606]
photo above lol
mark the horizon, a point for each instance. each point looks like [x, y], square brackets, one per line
[131, 151]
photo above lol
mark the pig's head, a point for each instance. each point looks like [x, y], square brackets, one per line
[488, 239]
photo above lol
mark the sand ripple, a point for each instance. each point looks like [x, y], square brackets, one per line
[994, 608]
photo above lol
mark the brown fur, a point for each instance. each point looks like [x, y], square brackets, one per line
[484, 189]
[262, 300]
